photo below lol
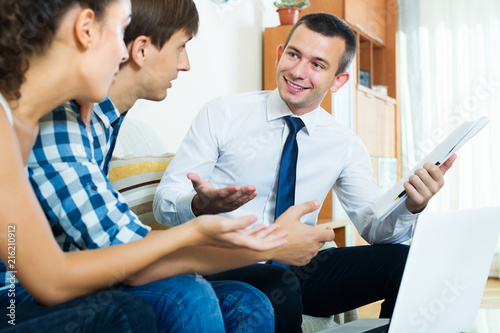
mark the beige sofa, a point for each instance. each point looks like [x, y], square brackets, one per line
[137, 178]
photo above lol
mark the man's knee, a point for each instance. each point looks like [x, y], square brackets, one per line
[394, 260]
[183, 291]
[244, 305]
[242, 293]
[183, 304]
[136, 312]
[191, 289]
[399, 254]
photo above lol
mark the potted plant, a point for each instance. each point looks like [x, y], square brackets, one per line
[289, 10]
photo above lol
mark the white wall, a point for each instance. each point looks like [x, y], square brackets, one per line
[225, 57]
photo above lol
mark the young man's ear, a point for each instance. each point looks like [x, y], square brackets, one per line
[279, 53]
[340, 80]
[85, 28]
[138, 50]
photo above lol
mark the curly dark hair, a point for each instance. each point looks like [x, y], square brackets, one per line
[27, 29]
[12, 64]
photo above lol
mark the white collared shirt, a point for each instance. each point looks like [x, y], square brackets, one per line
[237, 140]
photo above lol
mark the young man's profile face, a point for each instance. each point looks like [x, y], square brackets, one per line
[164, 65]
[306, 68]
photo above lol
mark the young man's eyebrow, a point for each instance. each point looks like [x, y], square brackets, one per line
[327, 63]
[294, 49]
[185, 41]
[315, 58]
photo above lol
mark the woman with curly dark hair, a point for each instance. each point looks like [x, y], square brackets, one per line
[35, 42]
[52, 51]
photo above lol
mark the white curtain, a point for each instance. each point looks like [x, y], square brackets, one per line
[449, 65]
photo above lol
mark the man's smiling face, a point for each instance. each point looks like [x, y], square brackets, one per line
[306, 69]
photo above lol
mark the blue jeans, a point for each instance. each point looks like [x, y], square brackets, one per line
[105, 311]
[189, 303]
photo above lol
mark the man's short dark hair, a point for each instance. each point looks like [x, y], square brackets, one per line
[160, 19]
[330, 26]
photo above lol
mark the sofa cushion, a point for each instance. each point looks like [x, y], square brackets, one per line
[136, 178]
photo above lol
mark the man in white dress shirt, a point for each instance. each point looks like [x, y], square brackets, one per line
[231, 157]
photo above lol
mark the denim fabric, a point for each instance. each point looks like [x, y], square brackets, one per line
[105, 311]
[188, 303]
[185, 303]
[244, 307]
[281, 286]
[21, 295]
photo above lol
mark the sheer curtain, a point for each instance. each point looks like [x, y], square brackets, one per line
[449, 66]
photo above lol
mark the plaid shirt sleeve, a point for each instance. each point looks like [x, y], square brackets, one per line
[84, 210]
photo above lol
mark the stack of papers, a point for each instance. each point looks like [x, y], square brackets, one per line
[396, 196]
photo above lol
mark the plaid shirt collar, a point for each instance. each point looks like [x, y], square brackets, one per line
[107, 112]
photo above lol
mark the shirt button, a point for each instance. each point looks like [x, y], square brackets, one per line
[93, 187]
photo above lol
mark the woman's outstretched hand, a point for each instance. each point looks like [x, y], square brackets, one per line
[232, 233]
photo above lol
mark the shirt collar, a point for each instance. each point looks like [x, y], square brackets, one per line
[277, 108]
[106, 111]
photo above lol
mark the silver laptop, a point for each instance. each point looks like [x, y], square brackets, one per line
[445, 275]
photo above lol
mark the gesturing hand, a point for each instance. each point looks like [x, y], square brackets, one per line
[209, 200]
[231, 233]
[303, 240]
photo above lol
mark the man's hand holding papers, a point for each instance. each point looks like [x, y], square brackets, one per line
[425, 179]
[425, 183]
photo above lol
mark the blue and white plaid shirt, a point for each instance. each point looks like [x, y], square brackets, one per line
[68, 170]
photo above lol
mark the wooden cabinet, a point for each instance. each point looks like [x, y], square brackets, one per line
[367, 16]
[375, 115]
[387, 125]
[367, 112]
[376, 123]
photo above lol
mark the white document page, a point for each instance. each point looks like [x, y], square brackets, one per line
[394, 197]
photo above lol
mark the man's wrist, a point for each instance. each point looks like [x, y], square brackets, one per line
[197, 212]
[183, 204]
[415, 209]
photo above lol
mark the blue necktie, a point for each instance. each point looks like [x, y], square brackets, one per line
[285, 195]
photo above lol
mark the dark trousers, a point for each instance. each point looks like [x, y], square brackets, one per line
[105, 311]
[335, 281]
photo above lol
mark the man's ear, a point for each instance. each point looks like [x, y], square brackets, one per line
[85, 28]
[138, 50]
[279, 53]
[340, 80]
